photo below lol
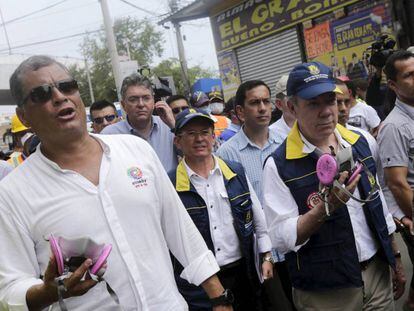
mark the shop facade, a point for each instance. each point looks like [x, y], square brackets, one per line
[257, 39]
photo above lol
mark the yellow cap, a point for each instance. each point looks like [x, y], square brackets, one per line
[17, 125]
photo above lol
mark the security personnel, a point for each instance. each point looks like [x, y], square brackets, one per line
[339, 251]
[20, 134]
[226, 211]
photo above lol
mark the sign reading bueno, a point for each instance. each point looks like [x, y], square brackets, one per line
[255, 19]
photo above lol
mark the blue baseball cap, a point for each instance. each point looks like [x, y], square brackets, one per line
[309, 80]
[199, 99]
[189, 114]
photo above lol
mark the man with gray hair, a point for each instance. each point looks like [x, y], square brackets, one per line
[88, 191]
[138, 103]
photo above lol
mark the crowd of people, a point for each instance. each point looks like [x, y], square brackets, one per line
[200, 204]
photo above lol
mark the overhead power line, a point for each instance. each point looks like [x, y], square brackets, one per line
[32, 13]
[51, 40]
[142, 9]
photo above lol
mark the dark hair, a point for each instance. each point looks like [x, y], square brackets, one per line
[229, 105]
[389, 69]
[135, 80]
[101, 104]
[361, 84]
[174, 98]
[33, 63]
[351, 87]
[244, 88]
[339, 81]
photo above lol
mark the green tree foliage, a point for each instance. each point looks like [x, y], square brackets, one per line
[172, 67]
[144, 41]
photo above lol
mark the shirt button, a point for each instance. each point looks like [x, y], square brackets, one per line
[208, 185]
[218, 249]
[215, 227]
[211, 206]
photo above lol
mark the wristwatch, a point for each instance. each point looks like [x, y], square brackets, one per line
[225, 299]
[269, 258]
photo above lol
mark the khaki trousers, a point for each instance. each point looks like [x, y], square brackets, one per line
[376, 294]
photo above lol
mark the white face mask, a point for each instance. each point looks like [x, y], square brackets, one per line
[207, 108]
[216, 108]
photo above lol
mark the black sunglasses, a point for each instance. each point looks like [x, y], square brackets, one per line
[43, 93]
[178, 109]
[109, 118]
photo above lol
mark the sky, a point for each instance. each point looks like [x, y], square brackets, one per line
[72, 17]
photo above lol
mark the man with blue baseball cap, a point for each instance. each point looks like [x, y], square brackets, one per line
[339, 250]
[225, 209]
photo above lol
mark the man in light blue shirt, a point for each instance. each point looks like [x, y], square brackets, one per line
[138, 103]
[251, 146]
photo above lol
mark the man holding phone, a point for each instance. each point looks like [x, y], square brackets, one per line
[105, 188]
[338, 251]
[138, 102]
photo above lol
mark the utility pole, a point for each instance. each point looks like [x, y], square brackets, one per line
[110, 38]
[88, 75]
[181, 55]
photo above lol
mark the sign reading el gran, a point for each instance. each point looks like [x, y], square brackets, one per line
[255, 19]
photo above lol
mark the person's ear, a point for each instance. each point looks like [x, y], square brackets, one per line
[278, 104]
[292, 107]
[177, 141]
[392, 85]
[22, 115]
[240, 113]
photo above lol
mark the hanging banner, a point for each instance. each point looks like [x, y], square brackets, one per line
[255, 19]
[350, 37]
[229, 73]
[318, 40]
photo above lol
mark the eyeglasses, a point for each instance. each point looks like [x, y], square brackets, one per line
[108, 118]
[43, 93]
[193, 134]
[177, 110]
[133, 100]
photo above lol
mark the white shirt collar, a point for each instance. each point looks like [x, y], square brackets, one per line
[192, 174]
[309, 147]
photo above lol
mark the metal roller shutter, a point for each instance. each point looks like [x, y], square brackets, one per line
[269, 58]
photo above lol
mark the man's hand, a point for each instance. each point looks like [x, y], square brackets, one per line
[267, 268]
[74, 284]
[398, 279]
[337, 198]
[165, 113]
[41, 296]
[223, 308]
[408, 224]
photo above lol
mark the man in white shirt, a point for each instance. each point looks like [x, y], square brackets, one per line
[111, 189]
[362, 115]
[282, 127]
[337, 250]
[343, 101]
[226, 210]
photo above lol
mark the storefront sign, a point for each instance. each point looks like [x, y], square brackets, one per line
[255, 19]
[318, 40]
[229, 73]
[350, 37]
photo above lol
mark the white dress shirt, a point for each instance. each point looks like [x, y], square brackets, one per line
[134, 207]
[282, 212]
[224, 236]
